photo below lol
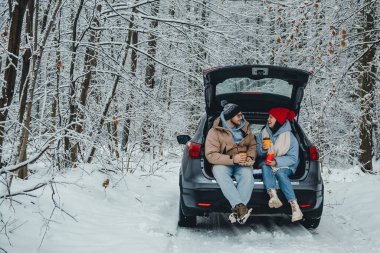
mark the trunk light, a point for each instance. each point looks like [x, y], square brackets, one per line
[314, 154]
[305, 205]
[194, 150]
[203, 204]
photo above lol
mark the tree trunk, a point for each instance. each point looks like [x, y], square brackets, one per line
[69, 151]
[14, 41]
[90, 61]
[150, 72]
[367, 84]
[127, 123]
[24, 81]
[38, 49]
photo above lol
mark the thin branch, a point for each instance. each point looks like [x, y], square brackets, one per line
[30, 160]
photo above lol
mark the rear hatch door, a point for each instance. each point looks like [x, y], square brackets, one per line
[256, 88]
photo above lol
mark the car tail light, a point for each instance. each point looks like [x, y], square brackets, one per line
[194, 150]
[314, 154]
[203, 204]
[305, 205]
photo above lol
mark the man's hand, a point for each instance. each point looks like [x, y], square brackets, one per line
[247, 163]
[239, 158]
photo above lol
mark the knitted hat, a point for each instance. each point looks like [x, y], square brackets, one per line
[282, 114]
[229, 110]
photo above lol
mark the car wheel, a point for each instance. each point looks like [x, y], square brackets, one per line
[185, 221]
[311, 222]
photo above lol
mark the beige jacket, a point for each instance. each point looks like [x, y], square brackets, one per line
[220, 146]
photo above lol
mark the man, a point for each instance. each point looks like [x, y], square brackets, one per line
[231, 148]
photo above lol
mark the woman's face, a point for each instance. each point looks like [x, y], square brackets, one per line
[271, 121]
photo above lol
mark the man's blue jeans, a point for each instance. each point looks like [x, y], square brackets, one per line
[282, 176]
[244, 178]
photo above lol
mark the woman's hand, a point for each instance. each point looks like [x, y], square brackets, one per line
[272, 163]
[266, 145]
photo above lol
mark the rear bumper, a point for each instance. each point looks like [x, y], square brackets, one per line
[259, 202]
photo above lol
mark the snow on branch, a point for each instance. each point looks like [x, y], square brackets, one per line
[13, 168]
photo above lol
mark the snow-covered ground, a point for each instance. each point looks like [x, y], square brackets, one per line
[138, 213]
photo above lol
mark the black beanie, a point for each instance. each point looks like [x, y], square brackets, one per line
[229, 110]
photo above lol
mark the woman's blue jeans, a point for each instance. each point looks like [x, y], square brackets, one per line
[282, 176]
[241, 193]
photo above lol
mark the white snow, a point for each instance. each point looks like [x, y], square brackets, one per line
[138, 213]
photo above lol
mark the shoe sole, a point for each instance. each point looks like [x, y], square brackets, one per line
[232, 218]
[297, 218]
[245, 217]
[276, 203]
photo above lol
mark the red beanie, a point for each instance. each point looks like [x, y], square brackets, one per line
[282, 114]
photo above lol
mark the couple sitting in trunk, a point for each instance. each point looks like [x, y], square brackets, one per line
[232, 149]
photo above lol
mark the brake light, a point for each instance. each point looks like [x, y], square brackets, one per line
[305, 205]
[204, 204]
[314, 154]
[194, 150]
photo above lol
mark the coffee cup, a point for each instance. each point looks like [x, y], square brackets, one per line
[266, 143]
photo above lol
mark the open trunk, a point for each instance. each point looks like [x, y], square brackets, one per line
[256, 89]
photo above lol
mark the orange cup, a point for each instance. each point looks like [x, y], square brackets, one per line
[266, 143]
[269, 158]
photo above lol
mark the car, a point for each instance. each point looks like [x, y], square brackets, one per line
[256, 89]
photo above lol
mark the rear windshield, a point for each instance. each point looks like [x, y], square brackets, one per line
[265, 85]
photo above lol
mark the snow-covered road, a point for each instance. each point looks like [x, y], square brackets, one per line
[268, 234]
[140, 215]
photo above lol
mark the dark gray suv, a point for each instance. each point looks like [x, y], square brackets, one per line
[256, 89]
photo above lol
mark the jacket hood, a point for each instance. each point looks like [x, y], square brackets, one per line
[225, 124]
[218, 125]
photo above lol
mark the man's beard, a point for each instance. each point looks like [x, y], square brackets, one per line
[235, 124]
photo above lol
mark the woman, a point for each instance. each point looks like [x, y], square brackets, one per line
[277, 140]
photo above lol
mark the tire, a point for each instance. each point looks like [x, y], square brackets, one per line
[186, 221]
[311, 222]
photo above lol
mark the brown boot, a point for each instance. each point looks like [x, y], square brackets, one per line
[296, 211]
[274, 201]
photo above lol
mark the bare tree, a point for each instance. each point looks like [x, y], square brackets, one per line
[90, 65]
[367, 81]
[150, 73]
[14, 41]
[38, 49]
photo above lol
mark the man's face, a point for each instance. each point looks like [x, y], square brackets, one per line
[237, 119]
[271, 121]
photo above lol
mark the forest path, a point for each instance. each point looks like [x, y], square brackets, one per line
[269, 234]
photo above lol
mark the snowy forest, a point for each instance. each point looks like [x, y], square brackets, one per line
[113, 82]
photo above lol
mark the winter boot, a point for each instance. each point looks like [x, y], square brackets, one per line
[233, 217]
[274, 201]
[296, 211]
[243, 213]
